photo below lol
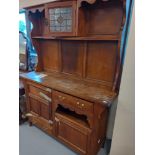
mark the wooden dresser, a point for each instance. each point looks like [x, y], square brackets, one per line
[78, 72]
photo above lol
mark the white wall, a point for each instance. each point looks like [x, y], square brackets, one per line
[26, 3]
[123, 142]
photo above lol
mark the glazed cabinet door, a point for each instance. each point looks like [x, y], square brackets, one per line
[61, 18]
[72, 135]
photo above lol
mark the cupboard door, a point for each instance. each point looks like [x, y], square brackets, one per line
[45, 110]
[61, 18]
[34, 106]
[40, 107]
[72, 136]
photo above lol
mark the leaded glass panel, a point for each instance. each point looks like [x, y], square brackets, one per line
[60, 19]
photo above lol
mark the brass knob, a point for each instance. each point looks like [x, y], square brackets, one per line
[63, 98]
[60, 96]
[78, 103]
[82, 105]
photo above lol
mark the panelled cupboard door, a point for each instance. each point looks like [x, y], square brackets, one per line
[45, 110]
[40, 100]
[34, 105]
[61, 18]
[41, 108]
[73, 136]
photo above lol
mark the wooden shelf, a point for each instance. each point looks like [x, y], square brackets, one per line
[100, 37]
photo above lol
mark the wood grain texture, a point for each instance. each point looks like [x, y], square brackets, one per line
[106, 55]
[50, 50]
[72, 57]
[108, 14]
[73, 87]
[71, 131]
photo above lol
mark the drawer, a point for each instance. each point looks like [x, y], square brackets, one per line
[73, 102]
[40, 91]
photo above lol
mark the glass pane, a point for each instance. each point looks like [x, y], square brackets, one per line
[22, 23]
[63, 29]
[60, 19]
[58, 28]
[27, 53]
[69, 23]
[22, 52]
[69, 28]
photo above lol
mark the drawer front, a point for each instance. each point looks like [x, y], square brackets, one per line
[73, 102]
[40, 91]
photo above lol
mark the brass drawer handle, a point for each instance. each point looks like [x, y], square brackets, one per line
[45, 96]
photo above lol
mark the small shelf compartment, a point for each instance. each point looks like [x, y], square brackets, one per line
[80, 19]
[68, 114]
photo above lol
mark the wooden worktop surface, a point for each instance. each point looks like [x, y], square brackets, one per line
[72, 87]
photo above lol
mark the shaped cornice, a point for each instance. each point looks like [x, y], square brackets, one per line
[91, 1]
[88, 1]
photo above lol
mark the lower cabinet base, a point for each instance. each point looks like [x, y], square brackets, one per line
[75, 139]
[79, 124]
